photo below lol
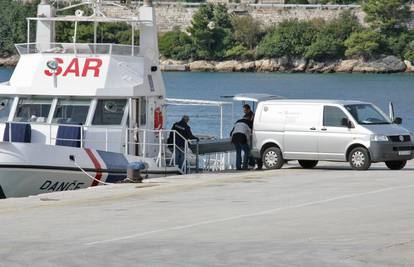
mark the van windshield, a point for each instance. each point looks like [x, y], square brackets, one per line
[367, 114]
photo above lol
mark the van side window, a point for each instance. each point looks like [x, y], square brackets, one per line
[333, 116]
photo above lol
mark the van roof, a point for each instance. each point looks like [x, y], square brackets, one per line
[315, 101]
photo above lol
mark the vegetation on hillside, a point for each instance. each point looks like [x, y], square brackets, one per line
[13, 25]
[216, 34]
[243, 37]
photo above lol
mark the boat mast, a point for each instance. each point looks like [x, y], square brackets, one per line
[148, 33]
[45, 30]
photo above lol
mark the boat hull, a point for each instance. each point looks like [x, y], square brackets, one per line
[31, 169]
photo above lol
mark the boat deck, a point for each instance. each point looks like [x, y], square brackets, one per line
[329, 216]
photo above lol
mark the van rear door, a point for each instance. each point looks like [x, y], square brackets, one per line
[301, 135]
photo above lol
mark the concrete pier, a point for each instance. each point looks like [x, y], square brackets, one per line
[329, 216]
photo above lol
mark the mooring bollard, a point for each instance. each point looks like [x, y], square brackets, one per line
[134, 171]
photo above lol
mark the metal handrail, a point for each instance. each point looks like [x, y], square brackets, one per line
[77, 48]
[166, 150]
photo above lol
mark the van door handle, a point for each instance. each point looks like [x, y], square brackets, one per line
[313, 129]
[324, 129]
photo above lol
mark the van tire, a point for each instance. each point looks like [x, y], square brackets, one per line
[359, 159]
[272, 158]
[396, 164]
[308, 164]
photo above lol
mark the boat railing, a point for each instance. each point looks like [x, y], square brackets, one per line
[78, 48]
[134, 141]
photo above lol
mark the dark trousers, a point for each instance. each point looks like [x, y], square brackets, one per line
[179, 157]
[246, 151]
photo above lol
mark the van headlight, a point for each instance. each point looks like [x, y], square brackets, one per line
[379, 137]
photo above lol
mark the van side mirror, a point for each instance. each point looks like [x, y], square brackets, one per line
[397, 120]
[347, 123]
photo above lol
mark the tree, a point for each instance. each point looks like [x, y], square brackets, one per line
[246, 31]
[387, 16]
[290, 38]
[301, 2]
[13, 25]
[409, 52]
[329, 42]
[365, 44]
[176, 45]
[211, 31]
[398, 44]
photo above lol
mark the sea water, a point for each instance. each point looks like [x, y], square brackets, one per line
[379, 89]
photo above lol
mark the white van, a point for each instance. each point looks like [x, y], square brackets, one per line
[331, 130]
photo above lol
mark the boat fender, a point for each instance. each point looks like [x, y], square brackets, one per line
[158, 119]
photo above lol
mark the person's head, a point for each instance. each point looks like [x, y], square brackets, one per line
[246, 108]
[185, 118]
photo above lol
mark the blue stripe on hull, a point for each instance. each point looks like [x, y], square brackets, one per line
[114, 162]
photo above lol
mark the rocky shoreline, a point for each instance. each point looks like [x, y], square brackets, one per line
[9, 61]
[384, 64]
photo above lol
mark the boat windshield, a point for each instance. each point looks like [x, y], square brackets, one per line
[109, 112]
[71, 111]
[367, 114]
[33, 110]
[5, 106]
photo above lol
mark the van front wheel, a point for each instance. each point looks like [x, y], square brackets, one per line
[396, 165]
[359, 159]
[308, 164]
[272, 158]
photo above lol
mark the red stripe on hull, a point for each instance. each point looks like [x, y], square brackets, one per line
[97, 165]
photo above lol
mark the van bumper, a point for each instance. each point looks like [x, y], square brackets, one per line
[389, 151]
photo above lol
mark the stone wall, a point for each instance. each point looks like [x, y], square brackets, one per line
[170, 14]
[178, 14]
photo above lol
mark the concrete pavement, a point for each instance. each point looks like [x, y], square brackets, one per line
[329, 216]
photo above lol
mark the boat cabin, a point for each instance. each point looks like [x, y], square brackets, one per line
[97, 95]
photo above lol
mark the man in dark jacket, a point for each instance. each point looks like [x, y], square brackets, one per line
[182, 133]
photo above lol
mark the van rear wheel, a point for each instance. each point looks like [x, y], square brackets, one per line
[396, 164]
[359, 159]
[308, 164]
[272, 158]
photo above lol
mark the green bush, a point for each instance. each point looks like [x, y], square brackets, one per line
[365, 44]
[325, 47]
[290, 38]
[176, 45]
[337, 2]
[239, 52]
[302, 2]
[329, 42]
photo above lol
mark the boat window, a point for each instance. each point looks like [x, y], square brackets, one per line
[71, 111]
[33, 110]
[109, 112]
[5, 106]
